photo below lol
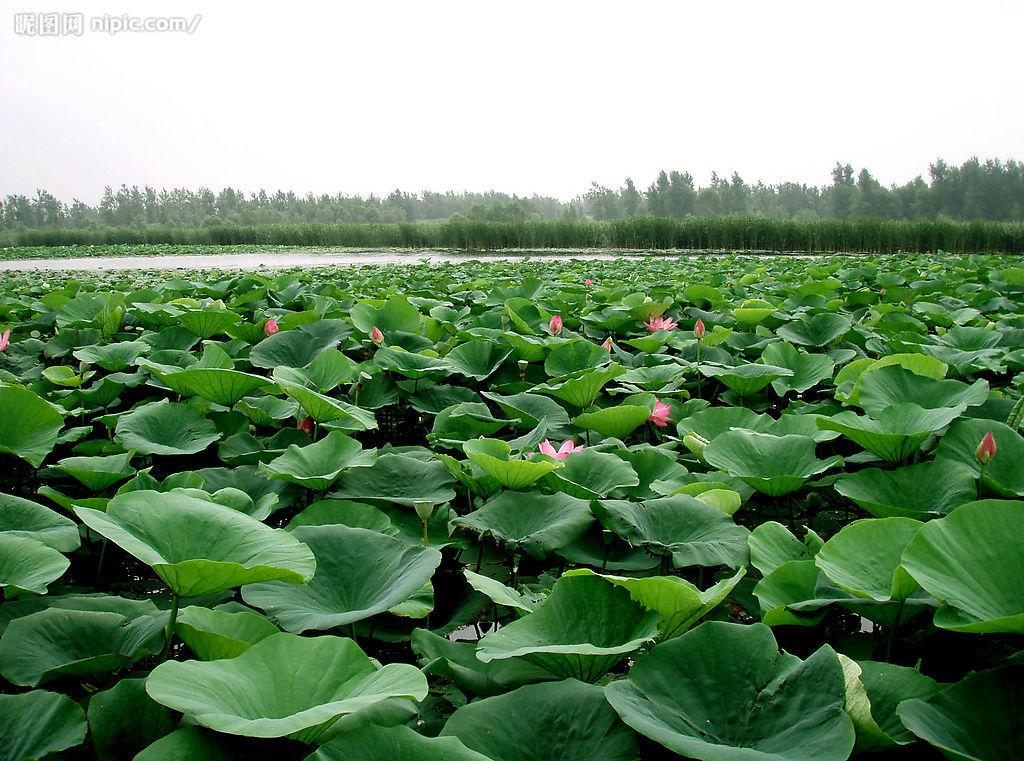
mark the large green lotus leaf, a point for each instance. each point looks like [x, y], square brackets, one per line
[192, 743]
[326, 409]
[679, 603]
[772, 544]
[531, 410]
[52, 643]
[492, 456]
[658, 470]
[22, 517]
[818, 330]
[466, 420]
[971, 561]
[283, 686]
[893, 385]
[1004, 474]
[711, 422]
[747, 379]
[359, 573]
[218, 385]
[791, 594]
[591, 474]
[530, 522]
[864, 558]
[28, 424]
[373, 743]
[266, 410]
[692, 532]
[396, 314]
[879, 690]
[207, 323]
[725, 692]
[923, 491]
[65, 377]
[326, 512]
[317, 466]
[99, 472]
[398, 478]
[198, 547]
[23, 606]
[808, 369]
[35, 724]
[580, 389]
[848, 380]
[290, 348]
[976, 719]
[500, 594]
[477, 359]
[617, 422]
[165, 428]
[457, 662]
[774, 465]
[123, 720]
[896, 433]
[329, 370]
[556, 721]
[215, 634]
[26, 564]
[584, 628]
[113, 357]
[573, 356]
[410, 364]
[753, 311]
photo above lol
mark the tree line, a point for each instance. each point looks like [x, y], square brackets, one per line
[975, 190]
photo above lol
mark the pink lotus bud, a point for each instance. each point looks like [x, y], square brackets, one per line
[588, 282]
[376, 336]
[271, 327]
[699, 330]
[607, 345]
[986, 449]
[5, 339]
[306, 425]
[555, 326]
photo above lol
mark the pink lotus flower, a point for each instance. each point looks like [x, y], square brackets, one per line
[555, 326]
[564, 451]
[699, 330]
[5, 339]
[306, 425]
[986, 449]
[376, 335]
[271, 327]
[660, 323]
[588, 282]
[607, 345]
[660, 416]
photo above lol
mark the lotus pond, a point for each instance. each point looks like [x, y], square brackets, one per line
[734, 509]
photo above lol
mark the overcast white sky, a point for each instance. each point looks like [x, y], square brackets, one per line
[529, 96]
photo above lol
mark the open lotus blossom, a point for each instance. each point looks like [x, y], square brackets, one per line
[986, 449]
[607, 345]
[699, 331]
[5, 339]
[271, 327]
[555, 326]
[376, 335]
[660, 323]
[588, 282]
[660, 416]
[564, 451]
[306, 425]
